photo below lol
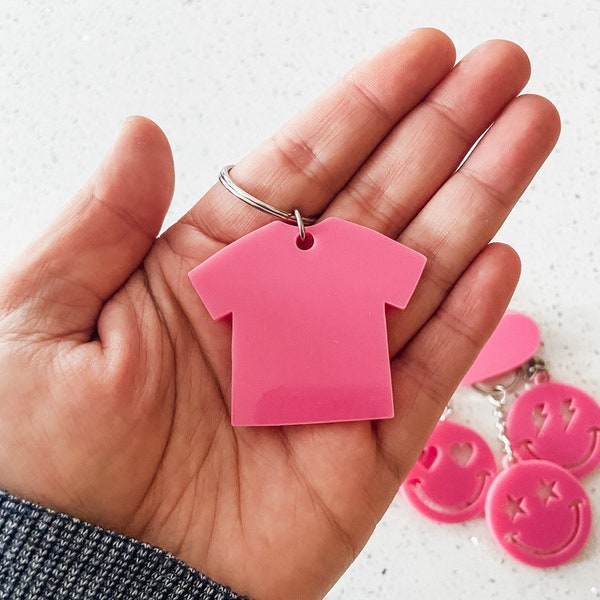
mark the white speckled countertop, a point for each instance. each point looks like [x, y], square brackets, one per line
[219, 77]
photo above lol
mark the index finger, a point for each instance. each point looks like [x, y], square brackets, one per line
[311, 158]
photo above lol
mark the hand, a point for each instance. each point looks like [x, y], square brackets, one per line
[114, 380]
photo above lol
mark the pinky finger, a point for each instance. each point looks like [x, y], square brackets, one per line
[427, 371]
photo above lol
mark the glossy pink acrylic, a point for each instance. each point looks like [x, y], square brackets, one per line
[450, 480]
[559, 423]
[308, 320]
[539, 513]
[514, 341]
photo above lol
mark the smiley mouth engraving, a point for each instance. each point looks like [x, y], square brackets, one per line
[513, 537]
[482, 476]
[527, 446]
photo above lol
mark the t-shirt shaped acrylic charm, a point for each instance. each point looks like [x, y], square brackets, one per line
[308, 320]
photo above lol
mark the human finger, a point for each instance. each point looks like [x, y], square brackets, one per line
[465, 214]
[428, 145]
[60, 284]
[305, 164]
[428, 370]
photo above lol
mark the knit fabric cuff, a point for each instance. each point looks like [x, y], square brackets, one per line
[44, 554]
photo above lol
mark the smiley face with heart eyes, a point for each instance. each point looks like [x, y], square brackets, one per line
[558, 423]
[451, 478]
[539, 513]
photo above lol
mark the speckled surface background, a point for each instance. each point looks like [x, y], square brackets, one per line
[219, 77]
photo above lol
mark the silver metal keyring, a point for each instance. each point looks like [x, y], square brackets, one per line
[293, 218]
[300, 222]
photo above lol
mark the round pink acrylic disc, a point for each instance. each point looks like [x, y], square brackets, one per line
[539, 513]
[514, 341]
[558, 423]
[450, 479]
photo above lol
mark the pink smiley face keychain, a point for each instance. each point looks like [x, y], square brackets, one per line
[450, 480]
[536, 510]
[555, 422]
[539, 513]
[549, 421]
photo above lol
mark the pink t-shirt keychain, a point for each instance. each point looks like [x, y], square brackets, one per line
[309, 339]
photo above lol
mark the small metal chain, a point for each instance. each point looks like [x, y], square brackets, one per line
[497, 397]
[535, 371]
[448, 410]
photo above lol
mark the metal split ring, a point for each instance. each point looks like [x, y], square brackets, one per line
[294, 217]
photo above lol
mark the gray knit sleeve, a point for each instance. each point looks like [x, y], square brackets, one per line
[44, 554]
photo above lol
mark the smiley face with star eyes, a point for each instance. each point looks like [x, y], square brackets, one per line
[558, 423]
[451, 478]
[539, 513]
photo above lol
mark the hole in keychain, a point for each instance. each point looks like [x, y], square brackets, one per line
[307, 243]
[305, 240]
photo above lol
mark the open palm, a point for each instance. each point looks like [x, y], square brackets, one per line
[115, 381]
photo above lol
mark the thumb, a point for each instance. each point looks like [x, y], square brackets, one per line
[60, 284]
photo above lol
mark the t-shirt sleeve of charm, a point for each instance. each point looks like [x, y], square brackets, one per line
[220, 280]
[393, 269]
